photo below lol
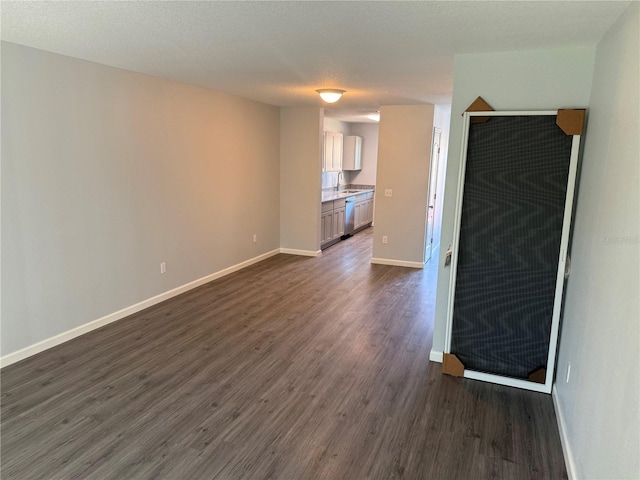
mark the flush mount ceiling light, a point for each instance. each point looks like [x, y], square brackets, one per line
[330, 95]
[374, 116]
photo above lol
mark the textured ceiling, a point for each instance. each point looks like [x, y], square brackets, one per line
[382, 53]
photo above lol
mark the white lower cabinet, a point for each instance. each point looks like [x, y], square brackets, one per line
[370, 207]
[338, 222]
[357, 217]
[326, 227]
[332, 222]
[363, 210]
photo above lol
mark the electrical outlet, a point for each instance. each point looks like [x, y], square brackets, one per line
[163, 267]
[568, 371]
[388, 192]
[255, 237]
[385, 239]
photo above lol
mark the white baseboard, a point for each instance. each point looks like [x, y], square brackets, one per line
[435, 356]
[397, 263]
[125, 312]
[564, 440]
[305, 253]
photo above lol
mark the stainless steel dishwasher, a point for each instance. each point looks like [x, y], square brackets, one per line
[349, 216]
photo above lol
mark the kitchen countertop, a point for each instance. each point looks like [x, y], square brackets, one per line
[328, 196]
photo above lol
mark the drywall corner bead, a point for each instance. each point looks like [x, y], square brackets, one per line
[451, 365]
[479, 105]
[571, 121]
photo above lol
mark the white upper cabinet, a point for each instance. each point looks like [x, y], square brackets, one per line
[352, 153]
[337, 152]
[332, 155]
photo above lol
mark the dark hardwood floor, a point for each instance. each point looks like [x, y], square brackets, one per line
[294, 368]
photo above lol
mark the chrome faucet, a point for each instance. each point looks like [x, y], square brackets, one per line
[338, 182]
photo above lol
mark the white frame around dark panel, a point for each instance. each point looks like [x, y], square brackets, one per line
[562, 258]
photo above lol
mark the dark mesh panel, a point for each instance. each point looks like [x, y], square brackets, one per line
[511, 225]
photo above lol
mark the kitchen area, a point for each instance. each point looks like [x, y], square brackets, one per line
[349, 157]
[395, 165]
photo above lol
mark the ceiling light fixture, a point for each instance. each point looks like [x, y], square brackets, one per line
[330, 95]
[374, 116]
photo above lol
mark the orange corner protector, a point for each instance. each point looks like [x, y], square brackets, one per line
[479, 105]
[571, 121]
[451, 365]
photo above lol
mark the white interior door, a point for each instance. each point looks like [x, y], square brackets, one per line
[433, 188]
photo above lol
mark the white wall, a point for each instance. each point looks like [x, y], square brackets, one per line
[600, 334]
[523, 80]
[335, 125]
[300, 178]
[369, 134]
[106, 173]
[404, 149]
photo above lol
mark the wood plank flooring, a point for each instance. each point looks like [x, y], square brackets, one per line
[294, 368]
